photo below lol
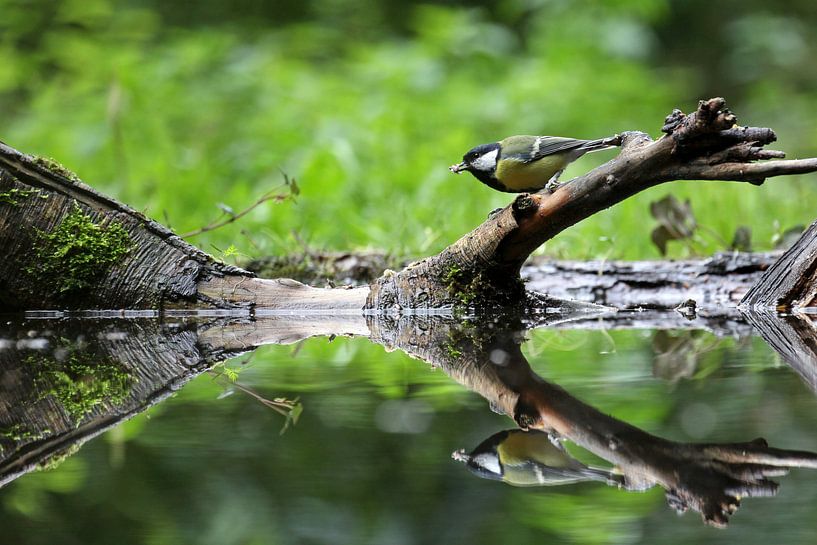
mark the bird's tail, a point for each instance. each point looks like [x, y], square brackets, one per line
[603, 475]
[601, 143]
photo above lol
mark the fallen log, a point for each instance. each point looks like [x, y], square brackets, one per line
[68, 247]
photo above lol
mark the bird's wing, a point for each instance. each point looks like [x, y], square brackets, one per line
[548, 145]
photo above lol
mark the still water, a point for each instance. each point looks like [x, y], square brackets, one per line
[207, 457]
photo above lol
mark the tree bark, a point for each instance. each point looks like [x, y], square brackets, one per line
[713, 284]
[791, 282]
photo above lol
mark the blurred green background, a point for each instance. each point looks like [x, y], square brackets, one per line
[176, 107]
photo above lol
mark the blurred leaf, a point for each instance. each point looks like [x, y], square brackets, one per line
[742, 240]
[676, 221]
[292, 416]
[788, 237]
[226, 209]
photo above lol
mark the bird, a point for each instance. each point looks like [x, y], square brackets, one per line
[525, 163]
[530, 458]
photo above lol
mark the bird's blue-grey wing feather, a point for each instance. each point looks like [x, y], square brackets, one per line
[548, 145]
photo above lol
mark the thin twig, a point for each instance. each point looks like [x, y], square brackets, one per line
[272, 195]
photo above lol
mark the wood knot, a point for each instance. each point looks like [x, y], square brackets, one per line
[673, 121]
[525, 416]
[523, 205]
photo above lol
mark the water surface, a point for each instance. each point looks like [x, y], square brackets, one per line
[369, 458]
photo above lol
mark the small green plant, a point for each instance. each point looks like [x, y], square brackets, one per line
[291, 409]
[78, 252]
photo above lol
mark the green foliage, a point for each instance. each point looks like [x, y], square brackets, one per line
[368, 111]
[77, 252]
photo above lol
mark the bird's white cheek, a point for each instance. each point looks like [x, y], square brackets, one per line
[489, 462]
[486, 162]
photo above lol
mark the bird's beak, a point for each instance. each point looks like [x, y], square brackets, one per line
[459, 167]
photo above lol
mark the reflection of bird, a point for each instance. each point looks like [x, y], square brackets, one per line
[520, 164]
[530, 458]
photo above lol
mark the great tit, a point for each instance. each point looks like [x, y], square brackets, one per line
[530, 458]
[525, 164]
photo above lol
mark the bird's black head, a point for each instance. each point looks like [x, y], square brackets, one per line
[482, 158]
[484, 461]
[481, 161]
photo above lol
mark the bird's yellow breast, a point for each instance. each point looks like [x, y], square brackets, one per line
[519, 176]
[523, 447]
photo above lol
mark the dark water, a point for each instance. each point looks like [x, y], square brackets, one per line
[369, 458]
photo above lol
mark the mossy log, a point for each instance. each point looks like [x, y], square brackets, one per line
[67, 246]
[65, 382]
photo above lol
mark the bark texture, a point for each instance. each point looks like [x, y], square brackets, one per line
[713, 283]
[43, 416]
[791, 282]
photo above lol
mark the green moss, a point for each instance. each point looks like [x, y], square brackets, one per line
[452, 351]
[16, 195]
[462, 286]
[55, 167]
[77, 252]
[80, 381]
[18, 432]
[317, 268]
[55, 460]
[480, 290]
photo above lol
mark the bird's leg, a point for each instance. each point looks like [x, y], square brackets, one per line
[553, 184]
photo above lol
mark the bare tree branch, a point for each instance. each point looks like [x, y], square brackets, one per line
[483, 266]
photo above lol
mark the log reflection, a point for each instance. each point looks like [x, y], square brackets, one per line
[63, 382]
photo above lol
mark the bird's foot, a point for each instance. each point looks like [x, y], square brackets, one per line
[552, 186]
[493, 212]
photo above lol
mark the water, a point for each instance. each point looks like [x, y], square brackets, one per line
[369, 458]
